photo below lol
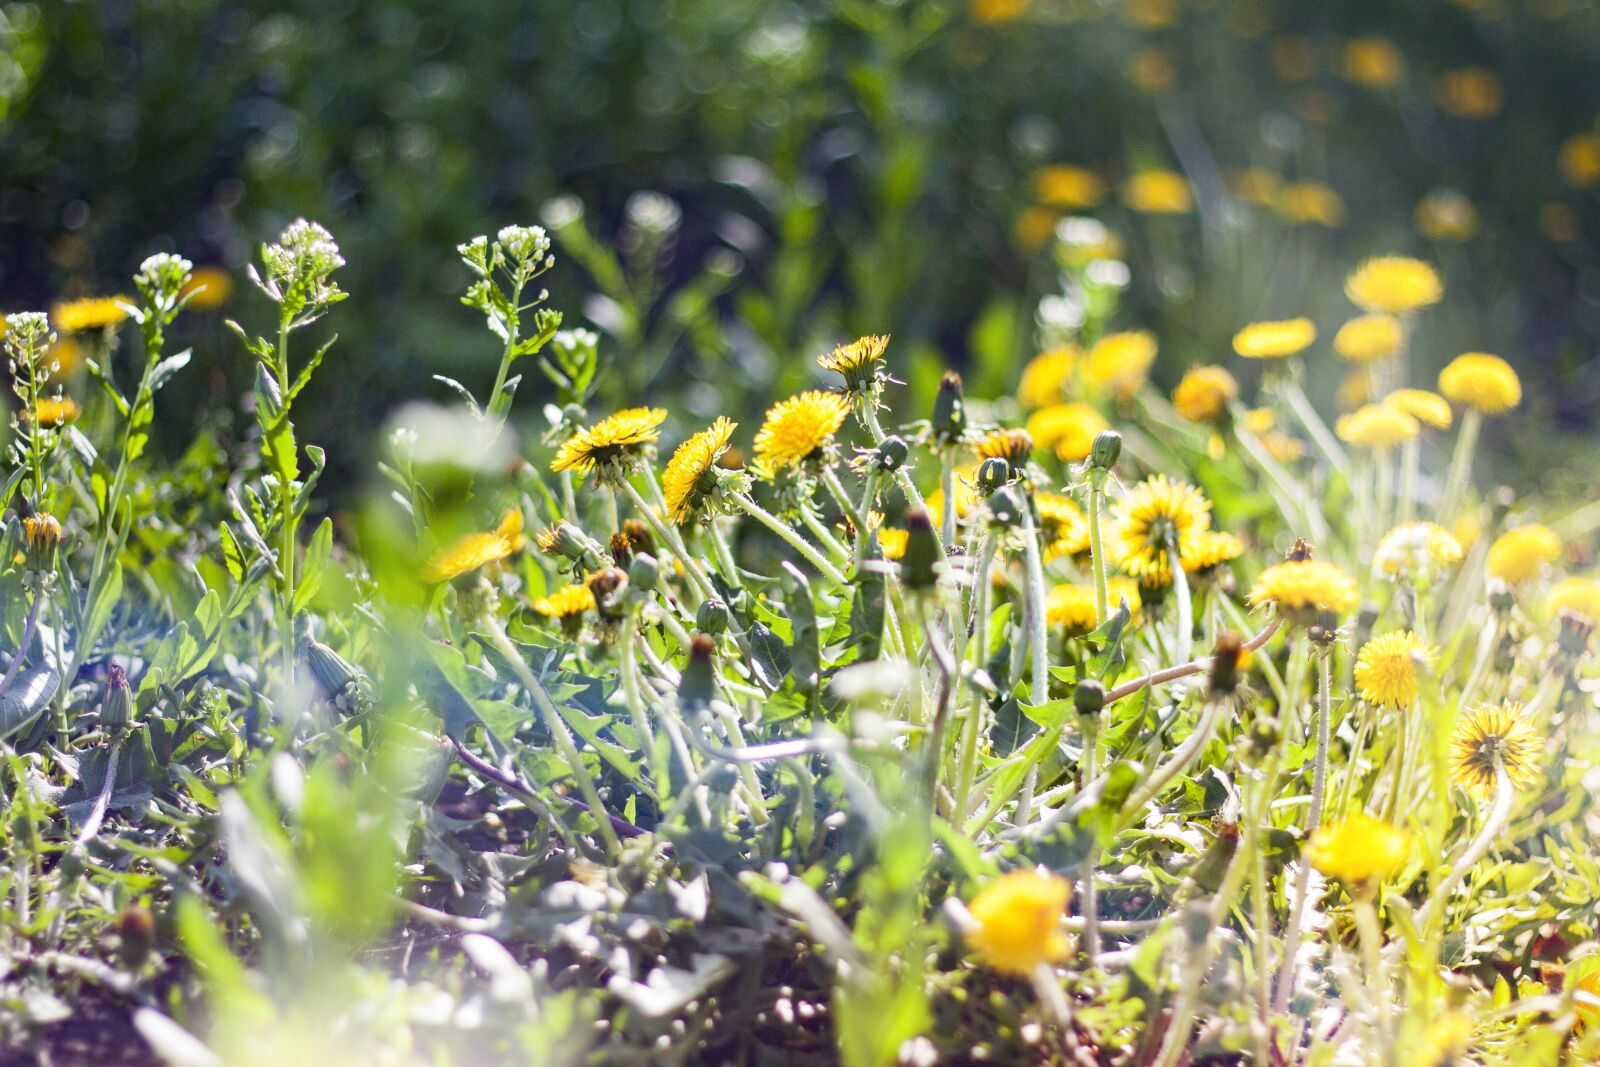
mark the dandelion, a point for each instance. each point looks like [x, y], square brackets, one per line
[966, 497]
[1358, 848]
[1386, 668]
[567, 605]
[1368, 337]
[53, 411]
[476, 550]
[1470, 93]
[614, 442]
[1255, 186]
[689, 474]
[1520, 554]
[1158, 192]
[860, 362]
[1274, 340]
[1374, 62]
[1070, 607]
[1482, 382]
[1204, 392]
[1018, 921]
[208, 288]
[90, 313]
[1581, 596]
[1306, 589]
[1013, 446]
[1579, 160]
[799, 428]
[1489, 738]
[1068, 430]
[1445, 215]
[1446, 1040]
[1210, 549]
[1310, 202]
[1378, 427]
[1152, 70]
[1426, 407]
[1045, 377]
[893, 541]
[1155, 518]
[996, 11]
[1067, 187]
[1393, 285]
[1121, 362]
[1416, 552]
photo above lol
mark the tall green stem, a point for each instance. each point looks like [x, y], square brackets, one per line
[1319, 782]
[1461, 463]
[792, 539]
[1097, 552]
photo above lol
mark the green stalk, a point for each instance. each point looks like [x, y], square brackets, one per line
[1319, 783]
[966, 769]
[287, 524]
[1410, 464]
[792, 539]
[1185, 604]
[1461, 463]
[1097, 552]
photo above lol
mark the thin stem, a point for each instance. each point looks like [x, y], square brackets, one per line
[1180, 587]
[967, 767]
[1097, 552]
[1410, 463]
[1461, 463]
[792, 539]
[1432, 912]
[97, 814]
[28, 629]
[1372, 960]
[1319, 782]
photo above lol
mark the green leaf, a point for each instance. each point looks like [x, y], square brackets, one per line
[162, 372]
[30, 693]
[315, 565]
[105, 383]
[232, 553]
[304, 377]
[105, 601]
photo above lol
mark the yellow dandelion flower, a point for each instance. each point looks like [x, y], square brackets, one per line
[476, 550]
[1158, 192]
[1255, 186]
[1153, 518]
[1310, 202]
[208, 288]
[64, 359]
[1067, 187]
[1204, 392]
[1489, 737]
[798, 428]
[1210, 549]
[1470, 92]
[1013, 446]
[1479, 380]
[1378, 427]
[613, 438]
[53, 411]
[1121, 362]
[1358, 848]
[1445, 1041]
[996, 11]
[1374, 62]
[1393, 285]
[1068, 430]
[1588, 1000]
[1018, 918]
[1034, 226]
[1368, 337]
[1260, 420]
[1064, 526]
[1445, 215]
[1045, 377]
[1416, 551]
[1152, 70]
[1579, 160]
[1072, 608]
[90, 313]
[1386, 668]
[1466, 530]
[966, 497]
[1274, 340]
[1520, 554]
[568, 602]
[1306, 587]
[857, 361]
[1282, 447]
[687, 477]
[1581, 596]
[1426, 407]
[893, 541]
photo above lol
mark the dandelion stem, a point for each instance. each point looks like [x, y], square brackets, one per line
[1366, 916]
[1180, 587]
[1460, 463]
[1097, 552]
[1319, 781]
[792, 539]
[967, 767]
[1410, 463]
[28, 629]
[1431, 914]
[947, 485]
[97, 814]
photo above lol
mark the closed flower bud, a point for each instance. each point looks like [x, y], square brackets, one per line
[1196, 921]
[136, 936]
[992, 474]
[340, 680]
[949, 410]
[892, 453]
[566, 540]
[639, 536]
[697, 686]
[1573, 637]
[621, 549]
[713, 617]
[42, 535]
[1225, 663]
[607, 585]
[1005, 508]
[1106, 450]
[1089, 697]
[918, 565]
[1263, 738]
[116, 711]
[644, 572]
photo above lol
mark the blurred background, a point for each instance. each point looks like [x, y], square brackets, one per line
[734, 185]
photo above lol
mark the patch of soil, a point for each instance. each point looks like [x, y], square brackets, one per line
[99, 1033]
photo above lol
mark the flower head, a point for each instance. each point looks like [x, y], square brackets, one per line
[1306, 588]
[615, 441]
[1274, 340]
[1581, 596]
[1358, 848]
[567, 604]
[1426, 407]
[1210, 549]
[1067, 187]
[1013, 446]
[1416, 552]
[1204, 392]
[1121, 362]
[860, 361]
[1393, 285]
[684, 483]
[798, 428]
[90, 313]
[1071, 607]
[1368, 337]
[1018, 917]
[1489, 738]
[1479, 380]
[53, 411]
[893, 541]
[1065, 527]
[1386, 668]
[1154, 518]
[208, 288]
[476, 550]
[1067, 429]
[1045, 376]
[1518, 555]
[1378, 427]
[1158, 192]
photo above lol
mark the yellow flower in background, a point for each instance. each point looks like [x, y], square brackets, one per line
[1587, 1002]
[893, 541]
[1274, 340]
[1386, 668]
[1355, 389]
[1520, 554]
[1368, 337]
[1311, 202]
[1018, 921]
[1379, 427]
[1416, 552]
[1358, 848]
[800, 427]
[1579, 160]
[1152, 14]
[1445, 215]
[54, 411]
[65, 357]
[1153, 518]
[996, 11]
[90, 313]
[1045, 377]
[1152, 70]
[1489, 737]
[1470, 92]
[1204, 392]
[1013, 446]
[1374, 62]
[1393, 285]
[1581, 596]
[613, 437]
[476, 550]
[684, 483]
[1065, 527]
[1158, 192]
[1209, 549]
[1035, 225]
[1446, 1041]
[1072, 608]
[1067, 429]
[1255, 186]
[208, 288]
[567, 603]
[1426, 407]
[1293, 58]
[1260, 420]
[1466, 530]
[966, 497]
[1067, 187]
[1306, 586]
[1479, 380]
[1121, 361]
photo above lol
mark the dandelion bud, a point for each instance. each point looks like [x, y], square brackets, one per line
[1106, 450]
[566, 540]
[697, 686]
[607, 586]
[1196, 921]
[41, 532]
[992, 474]
[1263, 738]
[1006, 508]
[1225, 663]
[1089, 697]
[340, 680]
[1501, 599]
[644, 573]
[922, 551]
[714, 617]
[621, 549]
[116, 711]
[136, 936]
[639, 536]
[949, 410]
[1573, 638]
[892, 453]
